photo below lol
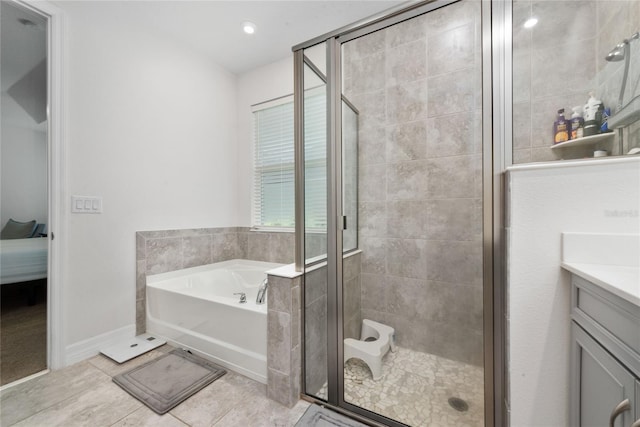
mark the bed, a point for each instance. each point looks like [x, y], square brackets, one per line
[23, 260]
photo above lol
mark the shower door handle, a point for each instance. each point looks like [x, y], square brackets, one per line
[344, 222]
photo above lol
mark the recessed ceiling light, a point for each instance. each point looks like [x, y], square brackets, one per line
[248, 27]
[529, 23]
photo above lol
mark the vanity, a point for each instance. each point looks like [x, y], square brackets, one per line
[605, 328]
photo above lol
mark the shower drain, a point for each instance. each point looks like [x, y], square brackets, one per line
[458, 404]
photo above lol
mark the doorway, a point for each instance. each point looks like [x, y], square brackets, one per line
[398, 258]
[24, 208]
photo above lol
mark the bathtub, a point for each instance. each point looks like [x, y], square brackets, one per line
[195, 308]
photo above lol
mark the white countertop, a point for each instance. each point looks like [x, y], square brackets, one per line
[611, 261]
[622, 281]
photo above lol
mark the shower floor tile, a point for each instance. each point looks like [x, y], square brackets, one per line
[416, 388]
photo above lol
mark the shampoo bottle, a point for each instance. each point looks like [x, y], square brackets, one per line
[560, 128]
[577, 123]
[592, 116]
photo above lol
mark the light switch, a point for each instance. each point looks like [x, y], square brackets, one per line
[86, 204]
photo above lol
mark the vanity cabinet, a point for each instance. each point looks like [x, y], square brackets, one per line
[605, 357]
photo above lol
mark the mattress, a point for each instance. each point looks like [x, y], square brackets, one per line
[22, 260]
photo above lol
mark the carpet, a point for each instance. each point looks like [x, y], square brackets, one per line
[317, 416]
[165, 382]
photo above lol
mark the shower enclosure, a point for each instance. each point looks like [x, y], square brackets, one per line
[395, 201]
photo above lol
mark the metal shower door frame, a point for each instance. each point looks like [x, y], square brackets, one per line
[495, 156]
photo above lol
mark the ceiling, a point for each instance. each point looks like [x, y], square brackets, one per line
[215, 27]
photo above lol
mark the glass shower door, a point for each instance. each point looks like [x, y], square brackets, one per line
[412, 294]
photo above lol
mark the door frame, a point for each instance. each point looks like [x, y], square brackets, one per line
[56, 178]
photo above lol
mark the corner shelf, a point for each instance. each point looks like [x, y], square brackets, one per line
[587, 140]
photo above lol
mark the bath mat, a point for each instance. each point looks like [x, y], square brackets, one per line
[317, 416]
[165, 382]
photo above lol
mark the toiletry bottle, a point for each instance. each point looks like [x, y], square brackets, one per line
[604, 126]
[577, 123]
[592, 116]
[560, 128]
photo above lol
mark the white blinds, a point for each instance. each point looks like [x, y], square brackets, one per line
[273, 191]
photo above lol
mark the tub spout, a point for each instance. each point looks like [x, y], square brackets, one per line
[262, 292]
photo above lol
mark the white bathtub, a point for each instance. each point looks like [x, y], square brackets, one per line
[195, 308]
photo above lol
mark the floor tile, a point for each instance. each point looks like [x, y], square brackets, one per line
[101, 406]
[262, 412]
[24, 400]
[145, 417]
[214, 401]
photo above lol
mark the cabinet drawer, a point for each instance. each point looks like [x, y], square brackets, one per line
[615, 317]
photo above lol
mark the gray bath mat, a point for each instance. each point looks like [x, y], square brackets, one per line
[167, 381]
[317, 416]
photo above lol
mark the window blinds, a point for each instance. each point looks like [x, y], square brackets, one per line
[273, 192]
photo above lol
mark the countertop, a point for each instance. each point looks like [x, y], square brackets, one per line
[623, 281]
[611, 261]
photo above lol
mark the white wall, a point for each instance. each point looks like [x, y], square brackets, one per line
[256, 86]
[24, 165]
[151, 128]
[545, 200]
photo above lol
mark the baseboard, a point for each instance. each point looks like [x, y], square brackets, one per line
[85, 349]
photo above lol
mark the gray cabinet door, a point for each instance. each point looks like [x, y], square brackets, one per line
[603, 383]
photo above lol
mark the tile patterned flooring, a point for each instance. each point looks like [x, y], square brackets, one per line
[84, 395]
[415, 389]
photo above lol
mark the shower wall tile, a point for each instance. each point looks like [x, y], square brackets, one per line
[454, 219]
[315, 285]
[522, 126]
[457, 45]
[371, 67]
[406, 63]
[372, 108]
[452, 92]
[315, 244]
[141, 278]
[406, 102]
[407, 180]
[553, 25]
[451, 135]
[405, 258]
[372, 183]
[316, 344]
[372, 146]
[374, 254]
[521, 74]
[409, 31]
[372, 219]
[406, 219]
[406, 141]
[373, 292]
[423, 190]
[522, 156]
[454, 262]
[453, 16]
[454, 177]
[577, 69]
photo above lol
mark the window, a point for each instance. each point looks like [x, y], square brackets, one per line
[273, 191]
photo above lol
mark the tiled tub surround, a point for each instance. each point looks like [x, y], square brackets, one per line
[169, 250]
[284, 365]
[417, 86]
[544, 81]
[315, 286]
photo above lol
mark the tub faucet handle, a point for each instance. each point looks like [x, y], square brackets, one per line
[243, 297]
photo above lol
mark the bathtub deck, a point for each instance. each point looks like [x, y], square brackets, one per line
[83, 394]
